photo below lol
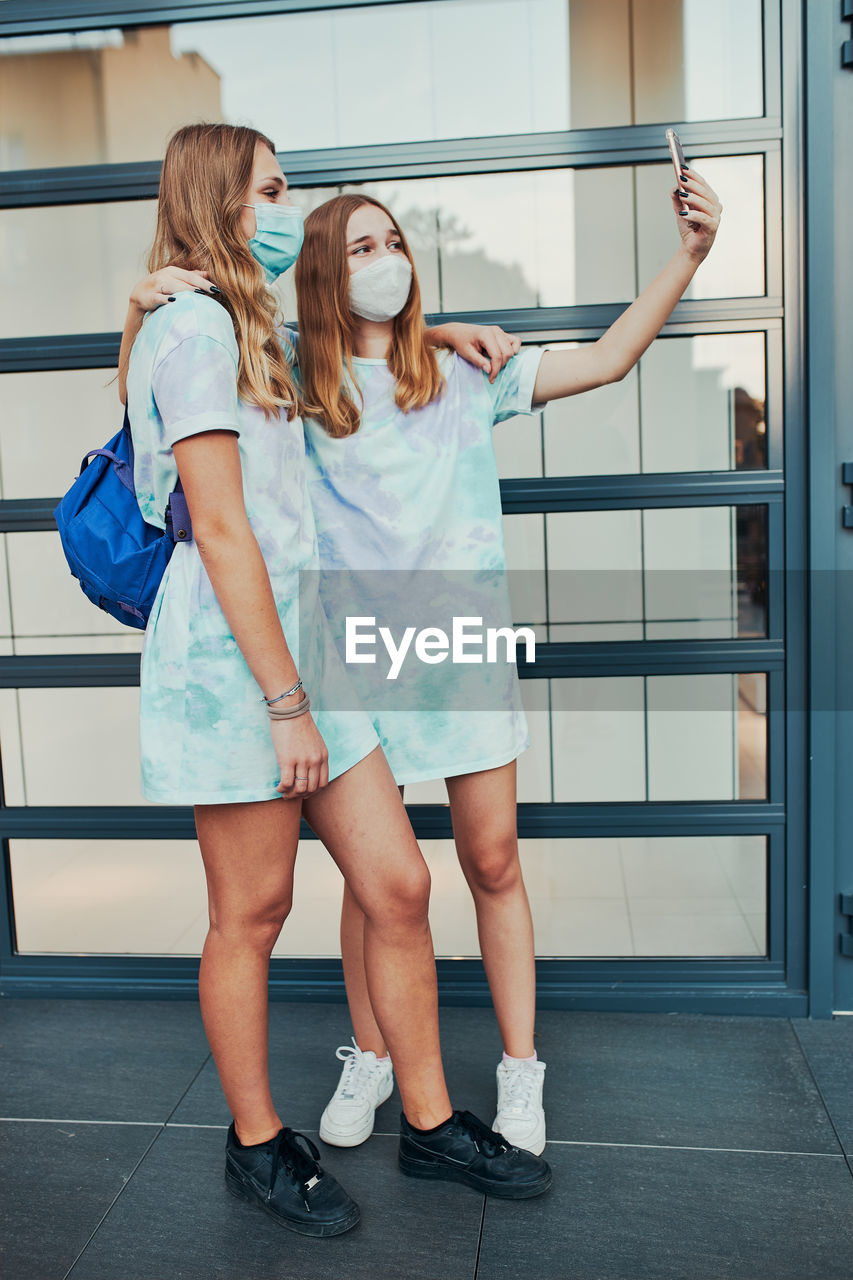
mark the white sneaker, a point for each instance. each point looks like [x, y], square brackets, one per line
[520, 1116]
[364, 1085]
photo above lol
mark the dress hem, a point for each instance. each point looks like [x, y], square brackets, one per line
[252, 797]
[481, 766]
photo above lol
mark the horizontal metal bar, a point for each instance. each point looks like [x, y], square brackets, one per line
[568, 660]
[41, 17]
[162, 822]
[391, 162]
[539, 493]
[557, 660]
[70, 670]
[60, 351]
[609, 493]
[650, 971]
[27, 515]
[564, 324]
[720, 987]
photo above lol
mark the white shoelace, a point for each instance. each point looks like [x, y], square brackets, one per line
[355, 1074]
[519, 1091]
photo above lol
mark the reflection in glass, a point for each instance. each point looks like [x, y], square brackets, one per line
[70, 269]
[692, 404]
[40, 448]
[663, 896]
[379, 75]
[675, 573]
[620, 739]
[571, 243]
[46, 601]
[75, 746]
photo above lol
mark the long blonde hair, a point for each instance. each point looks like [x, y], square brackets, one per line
[327, 326]
[206, 171]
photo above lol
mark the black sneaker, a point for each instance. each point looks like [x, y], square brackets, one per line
[465, 1150]
[283, 1178]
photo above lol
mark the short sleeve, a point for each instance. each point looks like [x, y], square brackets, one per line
[195, 389]
[512, 390]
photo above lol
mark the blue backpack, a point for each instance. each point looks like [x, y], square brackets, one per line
[118, 557]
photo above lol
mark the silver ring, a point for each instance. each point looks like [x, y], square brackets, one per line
[296, 778]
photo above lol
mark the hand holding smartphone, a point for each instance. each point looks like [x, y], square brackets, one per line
[678, 162]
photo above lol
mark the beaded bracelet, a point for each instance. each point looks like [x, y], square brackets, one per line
[270, 701]
[292, 712]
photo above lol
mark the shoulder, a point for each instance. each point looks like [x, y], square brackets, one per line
[191, 315]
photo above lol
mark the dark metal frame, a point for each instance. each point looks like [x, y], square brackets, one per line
[775, 984]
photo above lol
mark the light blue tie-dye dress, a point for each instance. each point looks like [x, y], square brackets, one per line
[416, 496]
[204, 731]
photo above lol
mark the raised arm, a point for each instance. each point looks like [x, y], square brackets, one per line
[565, 373]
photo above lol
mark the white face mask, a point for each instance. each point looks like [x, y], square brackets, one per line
[380, 291]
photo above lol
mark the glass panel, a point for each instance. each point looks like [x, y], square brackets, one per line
[571, 243]
[670, 573]
[655, 738]
[380, 75]
[735, 266]
[696, 896]
[41, 446]
[692, 404]
[70, 268]
[46, 601]
[74, 746]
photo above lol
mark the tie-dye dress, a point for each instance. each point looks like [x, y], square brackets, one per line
[415, 496]
[204, 731]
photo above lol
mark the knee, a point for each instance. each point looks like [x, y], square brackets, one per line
[256, 927]
[403, 897]
[492, 866]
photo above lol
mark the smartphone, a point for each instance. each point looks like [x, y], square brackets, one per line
[678, 162]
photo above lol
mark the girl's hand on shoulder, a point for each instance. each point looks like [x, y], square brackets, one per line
[302, 756]
[483, 345]
[153, 291]
[699, 226]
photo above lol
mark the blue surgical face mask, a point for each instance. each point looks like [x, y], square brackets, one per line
[278, 237]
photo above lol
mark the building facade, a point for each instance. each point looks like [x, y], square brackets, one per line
[677, 541]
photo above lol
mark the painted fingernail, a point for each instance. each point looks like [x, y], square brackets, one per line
[213, 289]
[684, 193]
[683, 213]
[171, 298]
[200, 291]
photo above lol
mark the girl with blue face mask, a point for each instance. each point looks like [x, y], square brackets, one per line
[244, 708]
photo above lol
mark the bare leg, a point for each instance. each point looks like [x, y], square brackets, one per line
[361, 820]
[483, 809]
[249, 851]
[365, 1028]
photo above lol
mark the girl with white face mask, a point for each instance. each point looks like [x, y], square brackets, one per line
[402, 476]
[242, 690]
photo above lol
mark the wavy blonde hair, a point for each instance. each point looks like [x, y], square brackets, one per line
[206, 171]
[327, 326]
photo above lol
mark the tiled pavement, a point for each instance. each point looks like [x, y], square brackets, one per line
[683, 1148]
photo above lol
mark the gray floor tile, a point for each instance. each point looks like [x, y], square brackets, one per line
[680, 1080]
[98, 1059]
[828, 1047]
[56, 1183]
[624, 1214]
[176, 1221]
